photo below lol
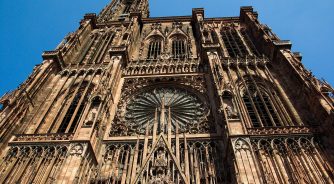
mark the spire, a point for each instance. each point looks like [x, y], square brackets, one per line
[121, 10]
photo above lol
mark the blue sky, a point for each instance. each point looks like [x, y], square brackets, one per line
[29, 27]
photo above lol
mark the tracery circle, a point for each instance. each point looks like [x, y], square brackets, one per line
[186, 109]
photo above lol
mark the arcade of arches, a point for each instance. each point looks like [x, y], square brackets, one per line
[133, 99]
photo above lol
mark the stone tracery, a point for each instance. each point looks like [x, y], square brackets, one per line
[129, 98]
[281, 151]
[185, 109]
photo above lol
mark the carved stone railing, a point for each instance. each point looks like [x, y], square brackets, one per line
[282, 130]
[245, 61]
[53, 137]
[161, 66]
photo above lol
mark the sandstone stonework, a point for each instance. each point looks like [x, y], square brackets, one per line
[129, 98]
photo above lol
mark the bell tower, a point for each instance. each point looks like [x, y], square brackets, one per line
[119, 10]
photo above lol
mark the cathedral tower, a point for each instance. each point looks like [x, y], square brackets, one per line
[133, 99]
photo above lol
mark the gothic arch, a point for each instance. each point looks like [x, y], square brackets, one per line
[292, 145]
[241, 144]
[154, 46]
[262, 102]
[155, 32]
[227, 93]
[82, 72]
[265, 145]
[177, 32]
[95, 97]
[28, 161]
[76, 103]
[99, 71]
[64, 73]
[90, 71]
[72, 73]
[178, 45]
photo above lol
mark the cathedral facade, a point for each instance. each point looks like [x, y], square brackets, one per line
[133, 99]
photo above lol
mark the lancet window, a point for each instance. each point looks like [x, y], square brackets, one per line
[249, 42]
[178, 48]
[301, 158]
[233, 43]
[32, 164]
[74, 111]
[93, 111]
[200, 161]
[214, 37]
[259, 105]
[127, 8]
[206, 159]
[154, 48]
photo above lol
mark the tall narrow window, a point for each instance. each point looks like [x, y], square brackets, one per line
[178, 48]
[249, 42]
[214, 37]
[233, 43]
[127, 8]
[251, 111]
[91, 116]
[75, 104]
[259, 107]
[154, 49]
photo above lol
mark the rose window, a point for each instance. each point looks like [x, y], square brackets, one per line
[162, 105]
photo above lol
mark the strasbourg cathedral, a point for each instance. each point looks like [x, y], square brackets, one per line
[133, 99]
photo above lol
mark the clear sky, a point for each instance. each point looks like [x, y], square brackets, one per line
[29, 27]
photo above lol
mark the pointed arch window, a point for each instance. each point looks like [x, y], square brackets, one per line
[214, 37]
[178, 48]
[260, 107]
[75, 110]
[233, 43]
[93, 111]
[127, 8]
[154, 48]
[249, 42]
